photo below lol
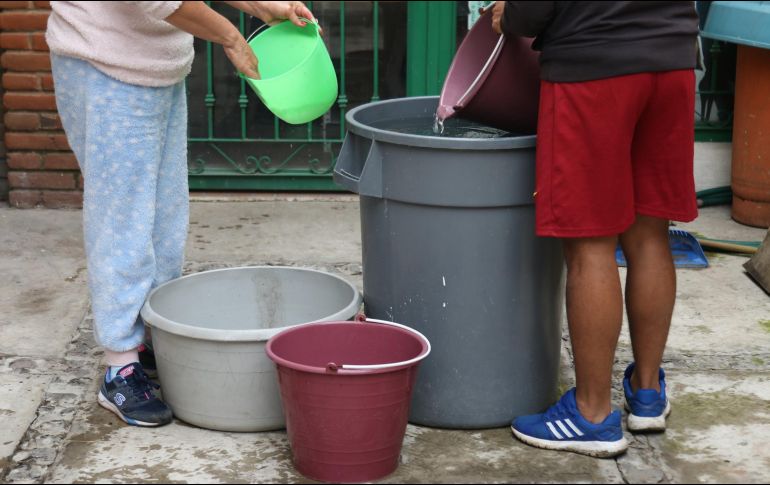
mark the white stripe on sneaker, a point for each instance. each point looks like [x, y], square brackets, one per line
[574, 428]
[564, 429]
[553, 430]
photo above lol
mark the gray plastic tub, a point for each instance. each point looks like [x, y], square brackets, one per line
[449, 245]
[209, 332]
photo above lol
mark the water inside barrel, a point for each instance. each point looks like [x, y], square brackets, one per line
[451, 128]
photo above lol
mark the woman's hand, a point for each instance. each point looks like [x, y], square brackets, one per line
[242, 57]
[277, 11]
[274, 12]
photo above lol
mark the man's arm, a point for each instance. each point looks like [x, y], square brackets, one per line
[527, 19]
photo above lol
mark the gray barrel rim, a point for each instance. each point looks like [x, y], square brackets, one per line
[425, 141]
[155, 320]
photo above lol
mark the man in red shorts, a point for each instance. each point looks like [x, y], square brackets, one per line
[614, 164]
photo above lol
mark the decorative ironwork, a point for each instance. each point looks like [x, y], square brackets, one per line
[715, 94]
[263, 164]
[236, 144]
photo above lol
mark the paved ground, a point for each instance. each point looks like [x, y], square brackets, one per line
[52, 430]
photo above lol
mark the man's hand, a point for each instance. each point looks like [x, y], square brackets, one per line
[497, 17]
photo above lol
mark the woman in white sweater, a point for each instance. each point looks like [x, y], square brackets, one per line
[118, 70]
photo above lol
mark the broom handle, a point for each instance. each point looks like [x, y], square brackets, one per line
[736, 248]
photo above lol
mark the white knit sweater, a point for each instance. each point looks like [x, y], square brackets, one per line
[129, 41]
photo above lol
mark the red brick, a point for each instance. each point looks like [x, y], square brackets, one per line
[15, 40]
[23, 21]
[29, 101]
[36, 141]
[16, 81]
[47, 82]
[50, 122]
[41, 180]
[60, 161]
[38, 42]
[24, 161]
[14, 5]
[43, 5]
[26, 61]
[25, 199]
[81, 182]
[17, 121]
[62, 199]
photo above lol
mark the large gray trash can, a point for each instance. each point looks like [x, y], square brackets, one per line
[449, 249]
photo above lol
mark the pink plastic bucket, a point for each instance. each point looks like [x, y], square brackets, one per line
[346, 389]
[493, 80]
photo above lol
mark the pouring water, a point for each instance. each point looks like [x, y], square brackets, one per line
[438, 125]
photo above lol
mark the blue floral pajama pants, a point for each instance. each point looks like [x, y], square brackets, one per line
[131, 144]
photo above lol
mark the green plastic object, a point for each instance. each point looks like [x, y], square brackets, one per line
[299, 83]
[744, 23]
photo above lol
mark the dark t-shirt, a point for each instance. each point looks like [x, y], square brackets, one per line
[584, 41]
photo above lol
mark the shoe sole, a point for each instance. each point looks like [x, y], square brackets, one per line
[106, 404]
[596, 449]
[639, 424]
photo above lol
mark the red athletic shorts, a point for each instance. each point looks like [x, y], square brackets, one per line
[613, 148]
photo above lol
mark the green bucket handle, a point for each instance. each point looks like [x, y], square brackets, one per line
[266, 26]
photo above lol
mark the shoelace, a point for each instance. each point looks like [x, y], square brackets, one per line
[558, 411]
[141, 386]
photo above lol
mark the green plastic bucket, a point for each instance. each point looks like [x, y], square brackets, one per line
[298, 82]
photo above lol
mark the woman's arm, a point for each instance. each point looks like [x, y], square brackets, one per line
[200, 20]
[271, 12]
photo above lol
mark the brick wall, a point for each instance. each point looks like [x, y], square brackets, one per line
[3, 166]
[41, 168]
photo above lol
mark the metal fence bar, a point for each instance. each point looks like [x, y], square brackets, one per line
[243, 100]
[265, 140]
[342, 101]
[376, 51]
[310, 123]
[210, 100]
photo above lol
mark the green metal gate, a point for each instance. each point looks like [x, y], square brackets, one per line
[380, 50]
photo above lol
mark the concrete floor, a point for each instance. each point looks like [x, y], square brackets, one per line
[52, 430]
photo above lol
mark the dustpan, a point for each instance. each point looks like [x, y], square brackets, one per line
[685, 249]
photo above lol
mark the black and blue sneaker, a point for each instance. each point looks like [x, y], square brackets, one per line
[130, 395]
[647, 408]
[563, 428]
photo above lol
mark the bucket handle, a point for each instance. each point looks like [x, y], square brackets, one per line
[363, 319]
[265, 26]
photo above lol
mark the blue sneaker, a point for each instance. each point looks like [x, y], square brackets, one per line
[131, 396]
[647, 408]
[563, 428]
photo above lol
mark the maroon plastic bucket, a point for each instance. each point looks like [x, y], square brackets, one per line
[493, 80]
[346, 389]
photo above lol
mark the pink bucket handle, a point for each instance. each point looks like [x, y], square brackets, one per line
[361, 318]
